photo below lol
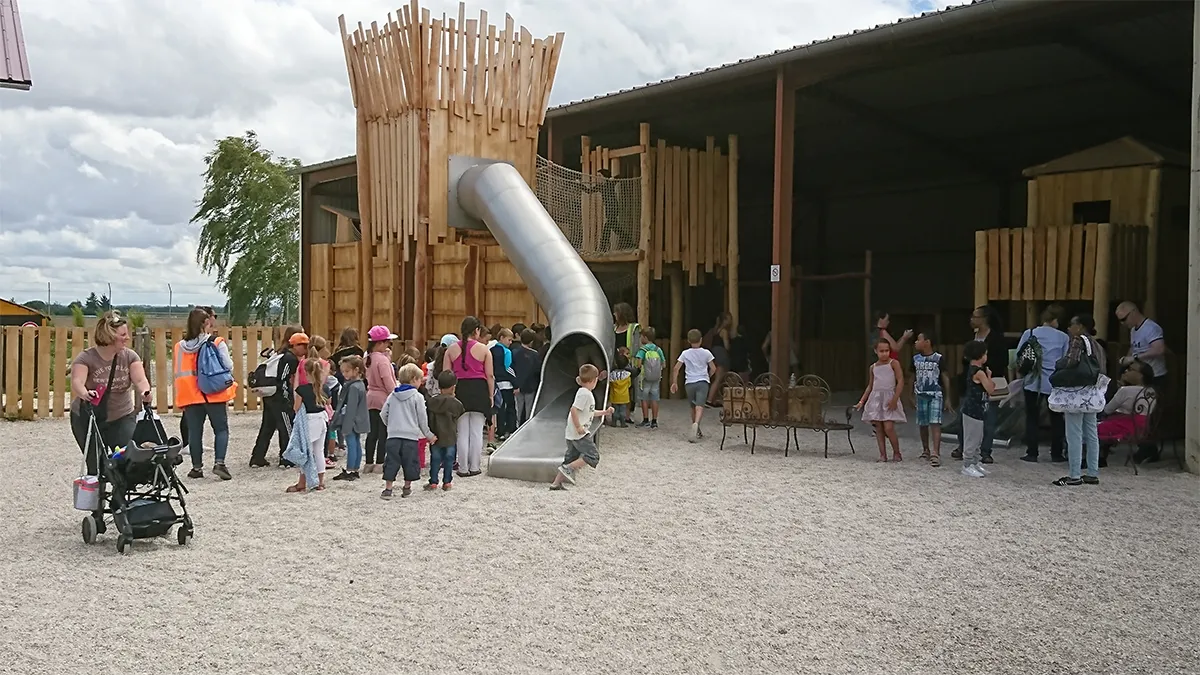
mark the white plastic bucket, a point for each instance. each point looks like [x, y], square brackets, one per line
[87, 493]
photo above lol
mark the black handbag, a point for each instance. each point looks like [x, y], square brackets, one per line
[1083, 373]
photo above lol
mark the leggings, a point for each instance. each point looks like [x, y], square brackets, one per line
[470, 441]
[375, 439]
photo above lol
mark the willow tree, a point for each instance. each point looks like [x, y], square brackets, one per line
[249, 234]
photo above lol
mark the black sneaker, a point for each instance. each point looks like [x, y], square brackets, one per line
[196, 472]
[1067, 480]
[344, 475]
[1031, 458]
[1091, 480]
[284, 464]
[221, 472]
[353, 476]
[258, 463]
[404, 492]
[987, 459]
[653, 424]
[644, 424]
[957, 453]
[1058, 459]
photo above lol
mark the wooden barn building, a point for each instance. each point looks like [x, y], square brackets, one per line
[1014, 153]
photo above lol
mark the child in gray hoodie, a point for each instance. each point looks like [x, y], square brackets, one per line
[351, 418]
[407, 422]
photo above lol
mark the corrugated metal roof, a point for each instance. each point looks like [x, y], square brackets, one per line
[779, 54]
[14, 66]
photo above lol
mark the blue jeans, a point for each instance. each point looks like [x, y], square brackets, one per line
[1081, 430]
[441, 457]
[989, 430]
[353, 451]
[218, 416]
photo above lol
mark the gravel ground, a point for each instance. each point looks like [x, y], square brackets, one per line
[671, 558]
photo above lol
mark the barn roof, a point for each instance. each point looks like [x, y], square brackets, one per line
[9, 308]
[1118, 154]
[14, 65]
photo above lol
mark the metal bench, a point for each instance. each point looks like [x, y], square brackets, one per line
[770, 404]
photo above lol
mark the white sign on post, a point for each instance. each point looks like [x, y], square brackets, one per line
[774, 274]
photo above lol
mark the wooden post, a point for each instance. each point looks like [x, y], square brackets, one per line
[647, 216]
[1192, 377]
[1152, 198]
[868, 316]
[422, 283]
[676, 318]
[981, 268]
[732, 303]
[781, 223]
[1031, 221]
[470, 282]
[1102, 293]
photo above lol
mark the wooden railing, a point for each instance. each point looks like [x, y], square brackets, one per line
[1076, 262]
[35, 365]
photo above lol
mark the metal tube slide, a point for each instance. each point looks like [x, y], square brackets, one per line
[581, 324]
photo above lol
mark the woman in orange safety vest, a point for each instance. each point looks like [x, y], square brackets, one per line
[197, 405]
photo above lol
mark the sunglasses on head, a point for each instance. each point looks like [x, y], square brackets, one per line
[115, 319]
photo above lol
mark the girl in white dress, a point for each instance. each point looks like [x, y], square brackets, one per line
[880, 403]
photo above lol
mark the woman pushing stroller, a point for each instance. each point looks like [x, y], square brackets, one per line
[102, 378]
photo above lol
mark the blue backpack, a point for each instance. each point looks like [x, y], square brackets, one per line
[212, 375]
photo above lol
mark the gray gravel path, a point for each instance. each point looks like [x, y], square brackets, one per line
[671, 558]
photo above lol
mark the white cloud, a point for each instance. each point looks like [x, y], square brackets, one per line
[100, 162]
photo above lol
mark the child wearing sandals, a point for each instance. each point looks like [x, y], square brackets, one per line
[311, 399]
[880, 403]
[930, 384]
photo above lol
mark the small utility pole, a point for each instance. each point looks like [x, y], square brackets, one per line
[170, 301]
[1192, 410]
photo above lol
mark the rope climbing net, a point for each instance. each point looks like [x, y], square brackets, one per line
[598, 215]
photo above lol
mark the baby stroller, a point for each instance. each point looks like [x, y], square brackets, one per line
[134, 488]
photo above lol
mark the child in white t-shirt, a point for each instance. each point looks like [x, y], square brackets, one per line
[699, 366]
[581, 444]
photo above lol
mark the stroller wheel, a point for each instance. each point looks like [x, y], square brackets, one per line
[184, 535]
[89, 529]
[123, 544]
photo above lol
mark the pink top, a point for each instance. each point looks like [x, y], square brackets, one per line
[381, 380]
[472, 369]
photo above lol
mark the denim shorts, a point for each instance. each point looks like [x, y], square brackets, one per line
[697, 393]
[929, 409]
[649, 391]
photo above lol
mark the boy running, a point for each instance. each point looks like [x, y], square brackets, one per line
[581, 445]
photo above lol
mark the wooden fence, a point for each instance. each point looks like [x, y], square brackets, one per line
[35, 365]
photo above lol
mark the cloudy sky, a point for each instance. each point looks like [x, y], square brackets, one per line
[100, 162]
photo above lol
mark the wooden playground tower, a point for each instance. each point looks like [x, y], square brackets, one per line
[425, 89]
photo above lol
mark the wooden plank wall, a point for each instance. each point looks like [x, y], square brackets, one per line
[689, 191]
[1126, 188]
[336, 289]
[1060, 263]
[497, 293]
[35, 372]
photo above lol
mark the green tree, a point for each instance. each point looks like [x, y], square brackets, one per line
[92, 305]
[77, 314]
[249, 235]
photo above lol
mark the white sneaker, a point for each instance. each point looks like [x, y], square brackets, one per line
[980, 469]
[695, 435]
[972, 471]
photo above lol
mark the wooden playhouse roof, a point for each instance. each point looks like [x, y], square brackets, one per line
[9, 308]
[1119, 154]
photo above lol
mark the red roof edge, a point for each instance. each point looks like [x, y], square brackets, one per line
[14, 65]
